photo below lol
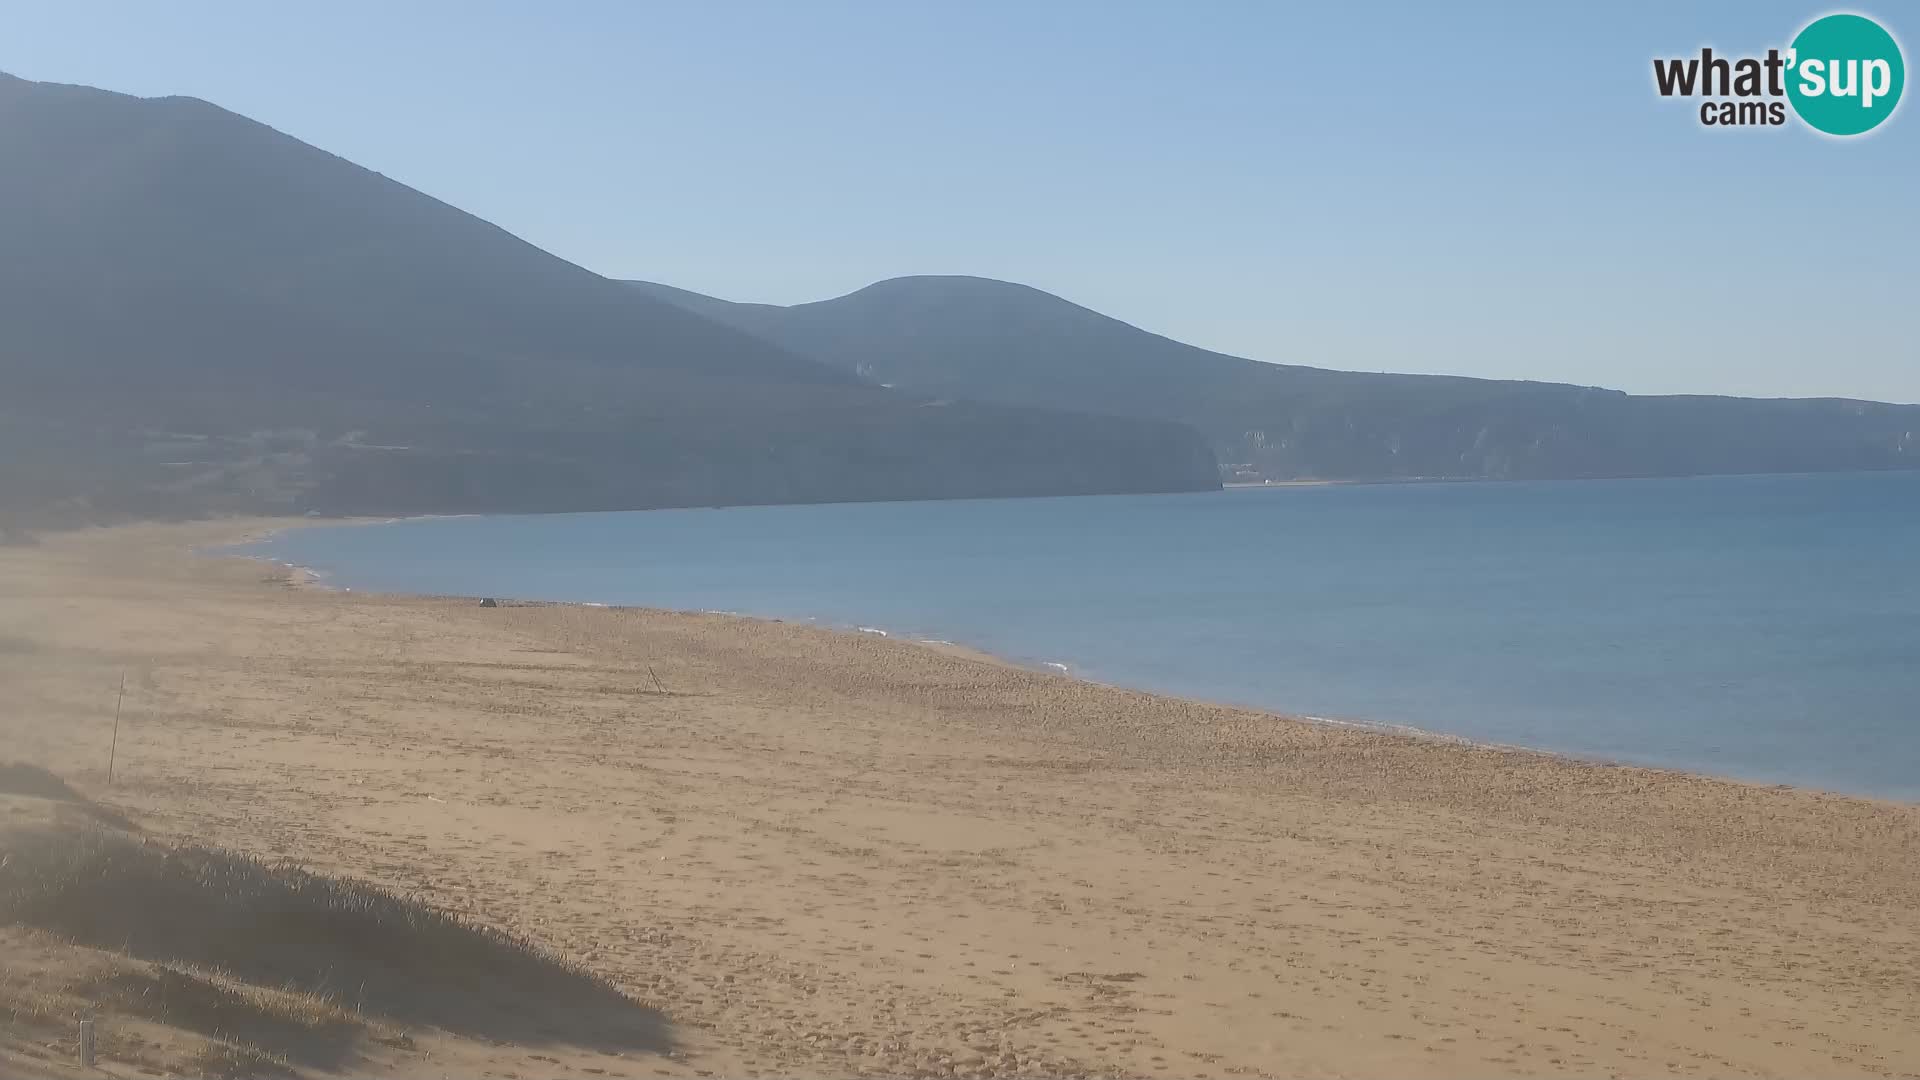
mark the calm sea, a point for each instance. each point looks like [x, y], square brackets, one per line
[1762, 627]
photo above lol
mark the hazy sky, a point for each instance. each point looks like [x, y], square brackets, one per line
[1491, 192]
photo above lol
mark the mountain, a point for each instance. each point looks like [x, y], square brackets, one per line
[994, 341]
[198, 312]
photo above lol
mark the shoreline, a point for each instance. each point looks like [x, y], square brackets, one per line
[313, 578]
[827, 853]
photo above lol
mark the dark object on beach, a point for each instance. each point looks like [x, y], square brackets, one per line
[489, 602]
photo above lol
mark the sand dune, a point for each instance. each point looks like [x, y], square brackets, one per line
[829, 854]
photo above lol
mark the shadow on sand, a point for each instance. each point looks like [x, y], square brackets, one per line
[360, 949]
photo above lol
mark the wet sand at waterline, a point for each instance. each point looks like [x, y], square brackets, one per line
[822, 853]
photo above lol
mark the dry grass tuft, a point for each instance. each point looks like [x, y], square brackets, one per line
[362, 948]
[237, 1030]
[260, 1023]
[262, 968]
[224, 1061]
[20, 778]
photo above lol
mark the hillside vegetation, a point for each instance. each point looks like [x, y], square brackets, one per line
[1001, 342]
[198, 312]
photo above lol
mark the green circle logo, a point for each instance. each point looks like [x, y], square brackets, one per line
[1845, 74]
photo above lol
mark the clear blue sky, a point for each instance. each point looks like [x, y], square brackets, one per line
[1493, 191]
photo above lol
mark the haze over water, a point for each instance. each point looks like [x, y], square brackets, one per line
[1766, 627]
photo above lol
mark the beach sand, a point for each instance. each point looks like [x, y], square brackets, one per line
[825, 853]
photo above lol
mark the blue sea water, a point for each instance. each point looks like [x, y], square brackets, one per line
[1760, 627]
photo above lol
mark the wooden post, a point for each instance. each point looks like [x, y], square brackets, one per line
[86, 1044]
[114, 749]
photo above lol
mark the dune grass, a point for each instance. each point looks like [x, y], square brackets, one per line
[279, 964]
[20, 778]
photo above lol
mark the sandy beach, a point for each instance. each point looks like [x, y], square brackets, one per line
[828, 854]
